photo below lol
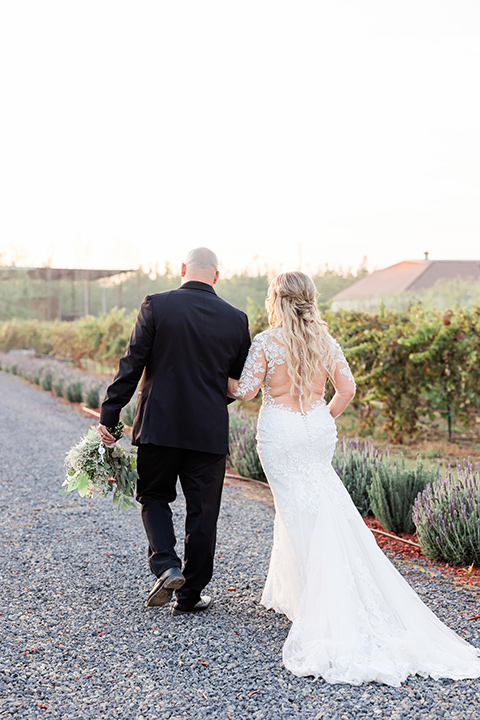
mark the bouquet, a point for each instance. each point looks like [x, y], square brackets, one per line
[92, 467]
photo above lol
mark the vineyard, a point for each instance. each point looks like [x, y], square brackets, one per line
[411, 367]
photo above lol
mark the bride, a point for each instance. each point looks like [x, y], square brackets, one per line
[354, 618]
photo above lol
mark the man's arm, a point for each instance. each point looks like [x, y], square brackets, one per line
[131, 366]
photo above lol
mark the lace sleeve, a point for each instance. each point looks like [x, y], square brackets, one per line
[343, 382]
[342, 368]
[253, 373]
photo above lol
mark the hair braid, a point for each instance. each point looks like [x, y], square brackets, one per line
[292, 304]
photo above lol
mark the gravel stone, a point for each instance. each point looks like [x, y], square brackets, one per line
[79, 643]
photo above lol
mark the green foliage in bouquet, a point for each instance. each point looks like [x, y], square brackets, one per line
[393, 491]
[92, 467]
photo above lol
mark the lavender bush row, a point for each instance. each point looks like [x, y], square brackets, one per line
[447, 516]
[65, 381]
[51, 374]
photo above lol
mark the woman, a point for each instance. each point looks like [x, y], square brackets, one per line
[355, 619]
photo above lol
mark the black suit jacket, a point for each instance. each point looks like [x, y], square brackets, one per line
[184, 346]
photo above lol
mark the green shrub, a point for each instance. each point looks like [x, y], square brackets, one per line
[243, 457]
[393, 491]
[73, 391]
[354, 461]
[447, 516]
[58, 386]
[91, 396]
[47, 379]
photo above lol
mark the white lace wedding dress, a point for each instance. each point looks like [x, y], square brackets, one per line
[354, 618]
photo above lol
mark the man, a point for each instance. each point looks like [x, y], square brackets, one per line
[184, 346]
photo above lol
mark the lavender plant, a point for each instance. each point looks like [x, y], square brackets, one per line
[47, 378]
[394, 489]
[91, 395]
[447, 516]
[354, 461]
[243, 456]
[73, 391]
[58, 386]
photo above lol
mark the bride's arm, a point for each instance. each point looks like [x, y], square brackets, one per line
[253, 374]
[343, 382]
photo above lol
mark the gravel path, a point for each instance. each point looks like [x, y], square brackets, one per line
[78, 642]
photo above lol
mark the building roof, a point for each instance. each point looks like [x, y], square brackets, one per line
[409, 275]
[446, 270]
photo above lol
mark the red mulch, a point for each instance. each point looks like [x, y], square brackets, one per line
[461, 575]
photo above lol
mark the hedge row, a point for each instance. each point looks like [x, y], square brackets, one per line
[103, 339]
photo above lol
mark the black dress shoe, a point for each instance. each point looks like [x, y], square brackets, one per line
[162, 591]
[203, 604]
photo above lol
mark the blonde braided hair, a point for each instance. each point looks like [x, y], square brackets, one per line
[292, 305]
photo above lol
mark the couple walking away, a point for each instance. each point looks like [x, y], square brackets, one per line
[354, 618]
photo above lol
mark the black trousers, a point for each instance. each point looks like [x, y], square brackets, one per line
[201, 476]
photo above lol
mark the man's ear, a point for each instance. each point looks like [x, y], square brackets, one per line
[183, 270]
[216, 277]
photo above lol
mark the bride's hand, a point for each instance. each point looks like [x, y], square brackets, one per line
[232, 387]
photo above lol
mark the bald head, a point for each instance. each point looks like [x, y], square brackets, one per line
[201, 264]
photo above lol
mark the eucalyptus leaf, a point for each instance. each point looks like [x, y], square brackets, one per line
[83, 486]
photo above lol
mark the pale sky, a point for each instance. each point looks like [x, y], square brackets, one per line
[276, 133]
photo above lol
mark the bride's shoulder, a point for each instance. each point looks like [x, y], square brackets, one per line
[327, 340]
[267, 336]
[262, 336]
[333, 350]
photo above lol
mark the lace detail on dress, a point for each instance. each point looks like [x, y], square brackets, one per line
[266, 354]
[253, 372]
[341, 364]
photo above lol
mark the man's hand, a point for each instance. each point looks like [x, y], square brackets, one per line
[107, 438]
